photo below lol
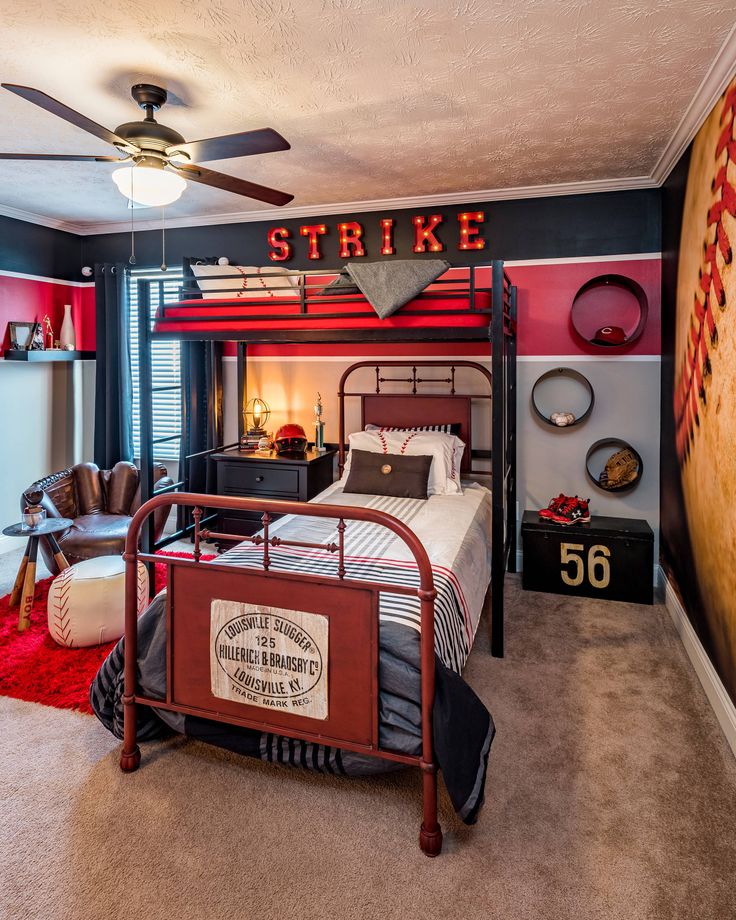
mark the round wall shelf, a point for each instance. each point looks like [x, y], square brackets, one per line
[627, 471]
[568, 401]
[609, 311]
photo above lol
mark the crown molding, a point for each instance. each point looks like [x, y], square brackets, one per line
[714, 83]
[30, 217]
[381, 204]
[711, 87]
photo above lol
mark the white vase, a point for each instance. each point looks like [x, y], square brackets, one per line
[67, 336]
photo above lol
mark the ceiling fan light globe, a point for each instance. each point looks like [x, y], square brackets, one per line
[148, 186]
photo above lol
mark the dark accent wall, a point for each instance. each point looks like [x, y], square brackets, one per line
[36, 250]
[612, 223]
[675, 547]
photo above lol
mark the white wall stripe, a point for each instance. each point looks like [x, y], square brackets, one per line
[578, 260]
[25, 277]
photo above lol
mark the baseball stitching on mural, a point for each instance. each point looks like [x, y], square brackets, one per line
[690, 393]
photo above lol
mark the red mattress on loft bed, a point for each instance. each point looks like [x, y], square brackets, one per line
[451, 303]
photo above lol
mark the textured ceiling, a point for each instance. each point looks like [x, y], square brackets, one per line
[378, 98]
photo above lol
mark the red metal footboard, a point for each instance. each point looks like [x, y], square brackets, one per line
[238, 652]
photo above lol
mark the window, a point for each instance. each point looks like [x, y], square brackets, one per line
[165, 366]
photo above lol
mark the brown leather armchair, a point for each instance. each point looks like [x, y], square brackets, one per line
[101, 503]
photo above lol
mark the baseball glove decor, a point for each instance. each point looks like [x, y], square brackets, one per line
[621, 469]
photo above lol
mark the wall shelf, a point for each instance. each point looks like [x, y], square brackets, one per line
[17, 354]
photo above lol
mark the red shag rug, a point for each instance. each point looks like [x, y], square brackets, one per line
[34, 668]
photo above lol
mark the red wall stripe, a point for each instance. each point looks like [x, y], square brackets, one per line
[26, 299]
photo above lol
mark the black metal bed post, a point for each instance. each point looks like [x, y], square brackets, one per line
[145, 396]
[242, 385]
[498, 458]
[511, 423]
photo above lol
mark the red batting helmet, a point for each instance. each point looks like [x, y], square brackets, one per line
[290, 439]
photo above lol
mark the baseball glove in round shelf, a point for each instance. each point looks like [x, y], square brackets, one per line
[620, 472]
[609, 311]
[567, 409]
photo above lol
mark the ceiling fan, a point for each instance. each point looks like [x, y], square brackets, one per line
[159, 160]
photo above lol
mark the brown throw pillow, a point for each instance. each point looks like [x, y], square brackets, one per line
[395, 475]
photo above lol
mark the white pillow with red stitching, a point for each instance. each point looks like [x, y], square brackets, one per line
[271, 281]
[444, 473]
[459, 444]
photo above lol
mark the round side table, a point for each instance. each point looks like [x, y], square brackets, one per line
[25, 581]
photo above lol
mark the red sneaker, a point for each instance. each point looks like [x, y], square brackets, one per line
[554, 506]
[573, 511]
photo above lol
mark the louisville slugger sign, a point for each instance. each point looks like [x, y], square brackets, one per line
[269, 657]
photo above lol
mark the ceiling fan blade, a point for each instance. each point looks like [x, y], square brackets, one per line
[245, 144]
[63, 111]
[232, 184]
[57, 156]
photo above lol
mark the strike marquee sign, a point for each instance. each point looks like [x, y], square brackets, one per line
[426, 236]
[269, 657]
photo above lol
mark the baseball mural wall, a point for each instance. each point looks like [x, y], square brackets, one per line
[704, 386]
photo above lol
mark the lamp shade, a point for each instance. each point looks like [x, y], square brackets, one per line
[149, 186]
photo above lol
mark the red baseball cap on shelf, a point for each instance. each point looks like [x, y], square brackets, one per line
[609, 335]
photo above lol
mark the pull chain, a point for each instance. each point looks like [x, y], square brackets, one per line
[164, 266]
[132, 228]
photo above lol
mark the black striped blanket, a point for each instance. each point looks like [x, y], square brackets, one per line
[463, 728]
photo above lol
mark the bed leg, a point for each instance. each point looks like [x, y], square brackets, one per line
[430, 835]
[130, 756]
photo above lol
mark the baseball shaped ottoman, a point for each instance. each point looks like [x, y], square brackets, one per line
[86, 603]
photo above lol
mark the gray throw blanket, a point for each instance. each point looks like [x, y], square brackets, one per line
[387, 286]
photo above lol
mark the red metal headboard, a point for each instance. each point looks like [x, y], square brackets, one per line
[414, 409]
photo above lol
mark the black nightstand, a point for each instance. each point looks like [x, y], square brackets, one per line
[610, 558]
[268, 475]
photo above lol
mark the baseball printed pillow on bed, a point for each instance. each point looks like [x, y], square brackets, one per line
[444, 473]
[453, 428]
[269, 281]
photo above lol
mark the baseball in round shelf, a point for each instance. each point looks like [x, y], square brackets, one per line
[614, 465]
[609, 311]
[562, 398]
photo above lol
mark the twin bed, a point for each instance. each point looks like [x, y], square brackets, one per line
[335, 638]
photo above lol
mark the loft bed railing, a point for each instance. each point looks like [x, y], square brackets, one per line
[499, 330]
[305, 307]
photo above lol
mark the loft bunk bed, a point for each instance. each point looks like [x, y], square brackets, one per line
[340, 588]
[455, 308]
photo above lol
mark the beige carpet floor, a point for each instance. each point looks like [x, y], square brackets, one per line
[611, 794]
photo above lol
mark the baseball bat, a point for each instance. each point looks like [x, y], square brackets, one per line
[29, 587]
[15, 594]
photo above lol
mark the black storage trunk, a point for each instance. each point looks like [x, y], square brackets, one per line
[610, 558]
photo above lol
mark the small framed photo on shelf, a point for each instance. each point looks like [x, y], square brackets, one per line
[26, 336]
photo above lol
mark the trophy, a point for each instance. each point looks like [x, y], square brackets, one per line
[319, 427]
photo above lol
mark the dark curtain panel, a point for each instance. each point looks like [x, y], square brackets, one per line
[114, 387]
[202, 427]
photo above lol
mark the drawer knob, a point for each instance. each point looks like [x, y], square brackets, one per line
[259, 478]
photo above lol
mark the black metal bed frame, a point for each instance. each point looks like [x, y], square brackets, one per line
[500, 330]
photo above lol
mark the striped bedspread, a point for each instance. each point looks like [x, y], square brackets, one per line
[454, 530]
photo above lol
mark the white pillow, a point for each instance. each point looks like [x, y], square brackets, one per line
[444, 472]
[271, 281]
[458, 443]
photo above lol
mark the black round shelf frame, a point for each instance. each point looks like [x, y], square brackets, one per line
[618, 444]
[627, 284]
[555, 373]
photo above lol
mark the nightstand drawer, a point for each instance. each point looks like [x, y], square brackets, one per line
[249, 479]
